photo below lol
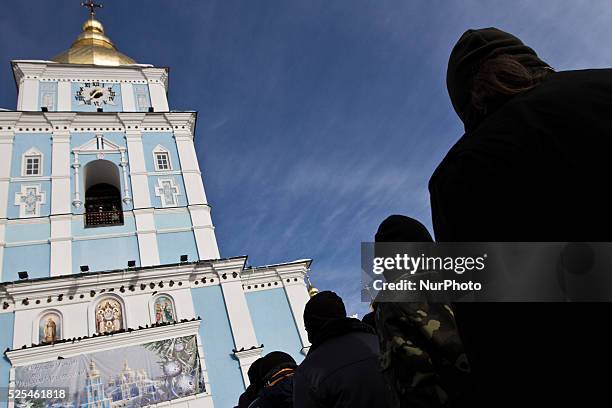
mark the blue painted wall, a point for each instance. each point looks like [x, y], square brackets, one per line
[174, 244]
[142, 98]
[129, 225]
[104, 254]
[173, 220]
[223, 370]
[32, 258]
[23, 142]
[47, 95]
[150, 140]
[76, 107]
[178, 182]
[28, 232]
[273, 321]
[6, 340]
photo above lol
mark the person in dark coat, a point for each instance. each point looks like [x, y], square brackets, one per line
[341, 369]
[422, 357]
[533, 165]
[273, 376]
[252, 391]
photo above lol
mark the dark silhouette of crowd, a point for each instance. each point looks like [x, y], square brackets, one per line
[533, 165]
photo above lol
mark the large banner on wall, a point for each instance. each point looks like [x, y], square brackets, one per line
[133, 377]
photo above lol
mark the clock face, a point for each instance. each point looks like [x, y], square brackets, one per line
[95, 93]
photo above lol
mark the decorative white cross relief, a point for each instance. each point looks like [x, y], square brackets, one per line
[29, 200]
[167, 191]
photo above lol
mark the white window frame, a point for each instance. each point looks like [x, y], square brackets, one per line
[159, 149]
[159, 192]
[31, 153]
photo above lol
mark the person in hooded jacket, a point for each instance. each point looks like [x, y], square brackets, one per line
[533, 165]
[273, 376]
[341, 369]
[422, 357]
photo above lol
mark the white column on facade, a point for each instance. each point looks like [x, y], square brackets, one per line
[159, 99]
[246, 346]
[64, 96]
[2, 244]
[60, 163]
[61, 209]
[76, 165]
[157, 79]
[245, 359]
[27, 75]
[204, 232]
[126, 182]
[6, 152]
[7, 126]
[190, 167]
[235, 302]
[297, 295]
[61, 245]
[147, 236]
[143, 213]
[136, 159]
[28, 95]
[127, 96]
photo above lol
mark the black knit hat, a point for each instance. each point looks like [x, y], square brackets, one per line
[399, 228]
[267, 365]
[321, 308]
[274, 361]
[473, 47]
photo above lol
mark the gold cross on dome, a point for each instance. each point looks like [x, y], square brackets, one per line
[92, 7]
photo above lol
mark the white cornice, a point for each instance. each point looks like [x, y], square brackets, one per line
[187, 274]
[254, 352]
[52, 71]
[96, 281]
[51, 352]
[135, 123]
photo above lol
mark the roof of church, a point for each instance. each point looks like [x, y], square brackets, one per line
[92, 46]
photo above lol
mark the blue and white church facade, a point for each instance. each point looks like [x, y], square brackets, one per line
[112, 281]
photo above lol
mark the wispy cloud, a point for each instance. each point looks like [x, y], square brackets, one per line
[317, 119]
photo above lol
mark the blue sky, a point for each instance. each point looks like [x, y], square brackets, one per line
[317, 118]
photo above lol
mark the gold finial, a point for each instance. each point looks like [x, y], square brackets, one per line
[92, 7]
[92, 46]
[311, 289]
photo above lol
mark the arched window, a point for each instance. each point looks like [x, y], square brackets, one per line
[31, 163]
[109, 315]
[163, 309]
[49, 328]
[102, 194]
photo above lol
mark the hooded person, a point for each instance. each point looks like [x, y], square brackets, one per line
[533, 165]
[273, 379]
[422, 357]
[252, 391]
[341, 368]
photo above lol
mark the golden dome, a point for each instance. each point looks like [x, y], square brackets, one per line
[93, 47]
[312, 291]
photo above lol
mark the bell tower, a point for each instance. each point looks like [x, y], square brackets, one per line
[108, 254]
[98, 157]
